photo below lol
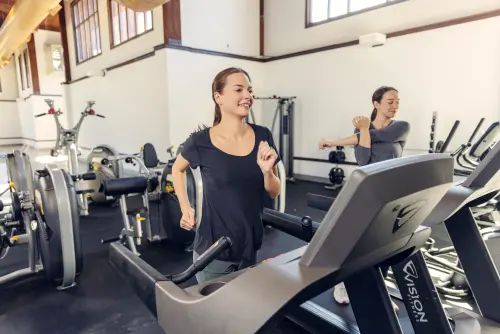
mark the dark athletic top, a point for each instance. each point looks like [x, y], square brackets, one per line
[387, 143]
[233, 195]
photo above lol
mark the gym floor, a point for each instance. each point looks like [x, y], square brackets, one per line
[104, 303]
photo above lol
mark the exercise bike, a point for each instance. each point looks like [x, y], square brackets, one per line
[146, 207]
[43, 214]
[67, 142]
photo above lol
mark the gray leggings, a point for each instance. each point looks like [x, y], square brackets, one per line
[218, 268]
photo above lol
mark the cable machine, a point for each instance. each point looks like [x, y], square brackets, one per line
[285, 111]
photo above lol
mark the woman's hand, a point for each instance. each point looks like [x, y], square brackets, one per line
[266, 157]
[324, 144]
[188, 220]
[361, 122]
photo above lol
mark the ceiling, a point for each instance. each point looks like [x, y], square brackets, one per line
[50, 23]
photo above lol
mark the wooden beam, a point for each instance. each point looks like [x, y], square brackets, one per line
[261, 27]
[64, 39]
[35, 79]
[172, 22]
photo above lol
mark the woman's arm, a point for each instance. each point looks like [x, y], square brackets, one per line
[179, 180]
[272, 182]
[363, 151]
[363, 138]
[396, 132]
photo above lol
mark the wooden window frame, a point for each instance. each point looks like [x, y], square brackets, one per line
[112, 44]
[27, 69]
[309, 24]
[20, 61]
[89, 41]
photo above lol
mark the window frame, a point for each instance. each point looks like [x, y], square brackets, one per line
[27, 67]
[309, 24]
[20, 61]
[74, 27]
[111, 30]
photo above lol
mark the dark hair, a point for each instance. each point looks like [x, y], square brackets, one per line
[218, 86]
[377, 96]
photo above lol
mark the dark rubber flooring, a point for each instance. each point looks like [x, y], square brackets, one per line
[104, 303]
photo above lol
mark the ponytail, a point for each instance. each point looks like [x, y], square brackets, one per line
[217, 115]
[374, 114]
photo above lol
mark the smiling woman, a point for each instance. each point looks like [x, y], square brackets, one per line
[237, 161]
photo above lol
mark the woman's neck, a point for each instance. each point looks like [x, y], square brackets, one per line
[381, 122]
[231, 127]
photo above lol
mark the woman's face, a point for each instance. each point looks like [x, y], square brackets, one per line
[389, 104]
[237, 95]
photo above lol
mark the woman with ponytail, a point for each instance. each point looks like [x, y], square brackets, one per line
[237, 162]
[380, 137]
[375, 139]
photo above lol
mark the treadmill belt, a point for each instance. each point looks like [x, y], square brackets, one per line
[342, 315]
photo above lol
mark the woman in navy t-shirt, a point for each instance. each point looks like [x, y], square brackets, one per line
[238, 167]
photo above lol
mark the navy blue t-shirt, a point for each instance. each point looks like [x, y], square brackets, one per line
[233, 195]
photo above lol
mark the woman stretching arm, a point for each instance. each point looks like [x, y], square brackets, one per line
[376, 139]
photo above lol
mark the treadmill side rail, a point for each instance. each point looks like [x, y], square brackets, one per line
[420, 296]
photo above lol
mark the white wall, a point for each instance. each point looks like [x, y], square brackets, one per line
[221, 25]
[136, 110]
[433, 70]
[285, 30]
[8, 80]
[129, 97]
[190, 101]
[112, 56]
[11, 127]
[50, 81]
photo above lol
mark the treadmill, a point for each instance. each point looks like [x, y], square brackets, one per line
[456, 211]
[369, 225]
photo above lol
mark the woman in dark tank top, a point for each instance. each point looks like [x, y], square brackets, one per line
[237, 162]
[375, 139]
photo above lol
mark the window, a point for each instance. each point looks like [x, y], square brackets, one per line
[24, 69]
[56, 57]
[127, 24]
[21, 72]
[27, 67]
[320, 11]
[86, 29]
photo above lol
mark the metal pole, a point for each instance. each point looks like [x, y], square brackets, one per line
[290, 139]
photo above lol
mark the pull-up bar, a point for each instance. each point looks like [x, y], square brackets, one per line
[275, 97]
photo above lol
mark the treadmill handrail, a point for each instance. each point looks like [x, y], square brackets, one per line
[301, 228]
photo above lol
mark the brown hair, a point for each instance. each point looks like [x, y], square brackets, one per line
[378, 96]
[218, 86]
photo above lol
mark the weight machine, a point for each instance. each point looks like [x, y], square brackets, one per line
[67, 141]
[42, 213]
[285, 109]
